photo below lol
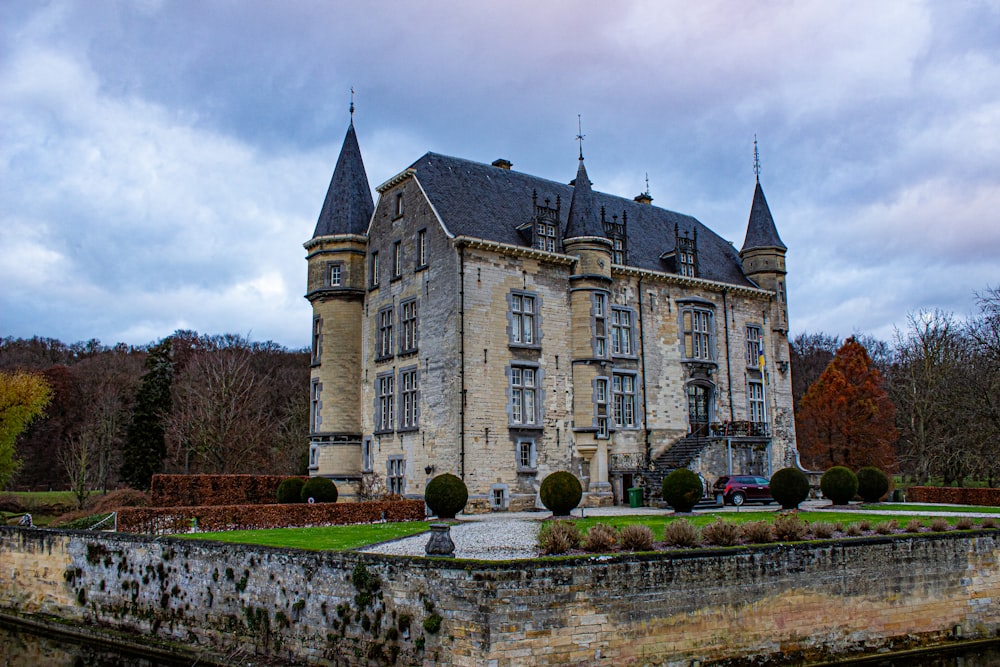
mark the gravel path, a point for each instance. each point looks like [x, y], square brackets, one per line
[486, 537]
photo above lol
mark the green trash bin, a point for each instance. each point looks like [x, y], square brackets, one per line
[635, 497]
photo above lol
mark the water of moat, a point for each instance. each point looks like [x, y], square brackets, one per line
[20, 647]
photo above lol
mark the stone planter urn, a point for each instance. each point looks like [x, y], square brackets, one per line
[440, 543]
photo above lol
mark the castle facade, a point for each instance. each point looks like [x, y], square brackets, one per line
[501, 326]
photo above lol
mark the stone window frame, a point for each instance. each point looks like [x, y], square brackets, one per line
[373, 270]
[385, 402]
[601, 386]
[625, 345]
[754, 345]
[599, 310]
[517, 392]
[756, 406]
[384, 343]
[395, 474]
[334, 270]
[367, 455]
[409, 399]
[315, 405]
[398, 209]
[546, 235]
[409, 326]
[516, 314]
[499, 497]
[526, 455]
[625, 401]
[421, 244]
[697, 329]
[397, 260]
[313, 456]
[317, 341]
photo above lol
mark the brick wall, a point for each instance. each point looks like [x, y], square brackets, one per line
[806, 600]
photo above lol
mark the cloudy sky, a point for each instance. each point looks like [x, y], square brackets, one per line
[161, 163]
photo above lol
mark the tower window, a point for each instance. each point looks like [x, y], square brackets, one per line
[599, 308]
[315, 405]
[601, 394]
[317, 340]
[334, 274]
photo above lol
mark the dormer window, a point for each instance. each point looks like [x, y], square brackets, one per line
[544, 225]
[545, 237]
[616, 229]
[686, 253]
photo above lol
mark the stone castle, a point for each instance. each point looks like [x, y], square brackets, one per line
[501, 326]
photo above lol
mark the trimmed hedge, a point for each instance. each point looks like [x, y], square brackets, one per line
[789, 487]
[561, 492]
[839, 484]
[682, 489]
[872, 484]
[446, 495]
[162, 520]
[320, 490]
[290, 490]
[191, 490]
[956, 496]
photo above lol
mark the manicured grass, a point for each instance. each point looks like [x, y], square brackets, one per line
[914, 507]
[325, 538]
[35, 499]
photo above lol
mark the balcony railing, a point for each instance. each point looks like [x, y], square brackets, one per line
[627, 462]
[741, 429]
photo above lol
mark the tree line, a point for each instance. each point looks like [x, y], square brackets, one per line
[925, 405]
[189, 403]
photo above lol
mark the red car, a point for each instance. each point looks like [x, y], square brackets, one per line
[740, 489]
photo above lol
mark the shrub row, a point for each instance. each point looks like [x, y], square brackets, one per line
[957, 496]
[192, 490]
[161, 520]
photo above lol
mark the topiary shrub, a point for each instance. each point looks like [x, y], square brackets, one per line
[446, 495]
[789, 487]
[839, 484]
[872, 484]
[290, 490]
[560, 493]
[682, 490]
[320, 489]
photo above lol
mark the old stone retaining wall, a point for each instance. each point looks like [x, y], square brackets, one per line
[803, 600]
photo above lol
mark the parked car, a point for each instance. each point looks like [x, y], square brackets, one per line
[740, 489]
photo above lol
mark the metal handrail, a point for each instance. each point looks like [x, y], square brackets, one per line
[113, 515]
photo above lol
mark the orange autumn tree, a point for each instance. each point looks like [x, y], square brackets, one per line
[846, 417]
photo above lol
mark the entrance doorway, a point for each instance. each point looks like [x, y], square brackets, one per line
[699, 403]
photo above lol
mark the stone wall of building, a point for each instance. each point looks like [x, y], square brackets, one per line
[805, 600]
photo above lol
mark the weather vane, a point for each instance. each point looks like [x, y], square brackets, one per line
[579, 134]
[756, 158]
[647, 183]
[352, 104]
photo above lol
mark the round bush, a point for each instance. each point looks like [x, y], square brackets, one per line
[839, 484]
[561, 492]
[320, 489]
[446, 495]
[290, 490]
[872, 484]
[682, 489]
[789, 487]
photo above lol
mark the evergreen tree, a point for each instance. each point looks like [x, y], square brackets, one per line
[145, 447]
[846, 417]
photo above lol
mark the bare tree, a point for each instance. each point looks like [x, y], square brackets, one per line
[77, 458]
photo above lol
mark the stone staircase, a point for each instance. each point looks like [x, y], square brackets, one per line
[679, 455]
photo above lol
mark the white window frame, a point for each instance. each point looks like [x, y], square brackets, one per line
[527, 455]
[697, 334]
[602, 398]
[621, 331]
[756, 409]
[755, 347]
[373, 278]
[524, 318]
[525, 404]
[625, 397]
[335, 274]
[546, 236]
[421, 248]
[599, 307]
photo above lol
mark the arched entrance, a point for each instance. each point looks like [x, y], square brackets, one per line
[699, 398]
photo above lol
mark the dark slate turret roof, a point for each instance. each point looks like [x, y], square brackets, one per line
[348, 206]
[761, 232]
[482, 201]
[582, 212]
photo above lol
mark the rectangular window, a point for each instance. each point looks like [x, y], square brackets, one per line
[399, 205]
[396, 259]
[384, 390]
[367, 455]
[686, 264]
[755, 395]
[621, 331]
[334, 274]
[408, 326]
[697, 325]
[619, 252]
[600, 308]
[754, 349]
[526, 457]
[315, 405]
[317, 340]
[522, 319]
[313, 457]
[625, 400]
[408, 396]
[421, 248]
[373, 278]
[601, 395]
[395, 478]
[523, 395]
[545, 237]
[385, 341]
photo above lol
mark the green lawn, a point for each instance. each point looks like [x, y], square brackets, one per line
[657, 522]
[325, 538]
[914, 507]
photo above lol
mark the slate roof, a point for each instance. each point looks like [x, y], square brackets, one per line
[583, 220]
[348, 206]
[761, 231]
[483, 201]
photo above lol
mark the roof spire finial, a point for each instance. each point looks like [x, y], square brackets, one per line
[756, 158]
[647, 183]
[352, 104]
[579, 134]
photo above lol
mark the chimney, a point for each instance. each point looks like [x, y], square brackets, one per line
[501, 163]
